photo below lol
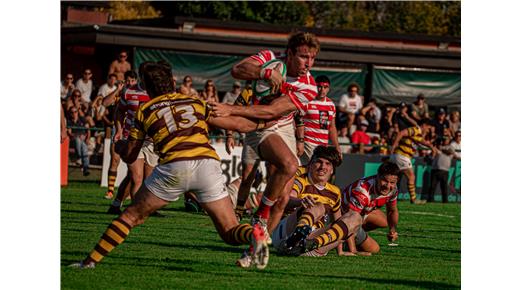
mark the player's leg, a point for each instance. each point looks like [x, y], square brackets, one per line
[368, 245]
[306, 220]
[340, 230]
[112, 171]
[375, 219]
[248, 176]
[136, 175]
[209, 183]
[279, 206]
[276, 151]
[122, 191]
[142, 206]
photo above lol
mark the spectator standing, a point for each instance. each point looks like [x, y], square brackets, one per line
[210, 92]
[402, 119]
[443, 155]
[440, 123]
[120, 66]
[79, 134]
[420, 109]
[231, 96]
[187, 89]
[85, 85]
[361, 139]
[454, 121]
[67, 86]
[349, 105]
[386, 127]
[455, 145]
[316, 126]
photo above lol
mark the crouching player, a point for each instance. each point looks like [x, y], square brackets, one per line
[360, 203]
[178, 125]
[314, 199]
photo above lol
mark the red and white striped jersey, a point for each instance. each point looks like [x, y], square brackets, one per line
[129, 103]
[362, 197]
[318, 117]
[301, 90]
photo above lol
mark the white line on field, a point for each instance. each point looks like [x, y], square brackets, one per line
[428, 213]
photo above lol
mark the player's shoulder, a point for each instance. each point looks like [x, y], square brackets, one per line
[333, 188]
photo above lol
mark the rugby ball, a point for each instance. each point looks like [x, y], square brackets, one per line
[262, 88]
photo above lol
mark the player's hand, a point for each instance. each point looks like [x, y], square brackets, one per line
[348, 254]
[220, 109]
[117, 135]
[276, 79]
[230, 144]
[392, 236]
[308, 202]
[300, 148]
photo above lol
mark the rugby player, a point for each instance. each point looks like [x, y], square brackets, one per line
[277, 144]
[404, 148]
[178, 125]
[359, 200]
[317, 126]
[132, 97]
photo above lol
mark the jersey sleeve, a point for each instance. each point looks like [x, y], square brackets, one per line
[358, 199]
[337, 206]
[263, 56]
[298, 185]
[301, 93]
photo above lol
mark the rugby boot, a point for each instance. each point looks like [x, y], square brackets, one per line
[260, 248]
[295, 244]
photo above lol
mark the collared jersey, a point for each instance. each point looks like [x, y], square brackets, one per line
[319, 115]
[362, 197]
[408, 145]
[301, 90]
[330, 195]
[177, 124]
[129, 103]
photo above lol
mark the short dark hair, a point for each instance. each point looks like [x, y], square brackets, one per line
[300, 38]
[130, 74]
[322, 79]
[112, 75]
[352, 86]
[388, 168]
[157, 78]
[327, 152]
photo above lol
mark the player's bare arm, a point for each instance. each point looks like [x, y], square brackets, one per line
[250, 69]
[392, 216]
[278, 107]
[239, 124]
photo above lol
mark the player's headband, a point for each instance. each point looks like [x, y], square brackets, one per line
[322, 84]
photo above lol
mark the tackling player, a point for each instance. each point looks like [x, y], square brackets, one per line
[178, 125]
[277, 144]
[404, 148]
[359, 200]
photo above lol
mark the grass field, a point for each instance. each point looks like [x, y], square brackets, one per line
[183, 250]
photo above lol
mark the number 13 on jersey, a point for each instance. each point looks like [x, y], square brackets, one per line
[186, 120]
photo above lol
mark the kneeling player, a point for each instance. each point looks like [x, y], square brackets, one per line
[359, 200]
[314, 198]
[178, 125]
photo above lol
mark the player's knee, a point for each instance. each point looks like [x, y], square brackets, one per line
[289, 167]
[282, 201]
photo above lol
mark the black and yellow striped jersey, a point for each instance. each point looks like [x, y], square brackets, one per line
[330, 195]
[244, 99]
[302, 170]
[408, 145]
[177, 124]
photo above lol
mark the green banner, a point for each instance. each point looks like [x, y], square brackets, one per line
[393, 85]
[202, 67]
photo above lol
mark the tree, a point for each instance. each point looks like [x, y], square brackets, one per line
[120, 10]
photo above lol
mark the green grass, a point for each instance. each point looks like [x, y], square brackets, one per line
[183, 250]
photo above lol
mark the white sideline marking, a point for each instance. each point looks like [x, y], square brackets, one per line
[428, 213]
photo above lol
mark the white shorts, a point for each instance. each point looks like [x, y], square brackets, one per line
[203, 177]
[286, 132]
[279, 234]
[402, 162]
[249, 155]
[307, 153]
[150, 157]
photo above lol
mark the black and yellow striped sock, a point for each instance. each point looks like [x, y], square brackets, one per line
[111, 180]
[115, 235]
[411, 190]
[338, 231]
[306, 219]
[239, 235]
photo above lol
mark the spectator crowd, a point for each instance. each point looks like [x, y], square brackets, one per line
[363, 126]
